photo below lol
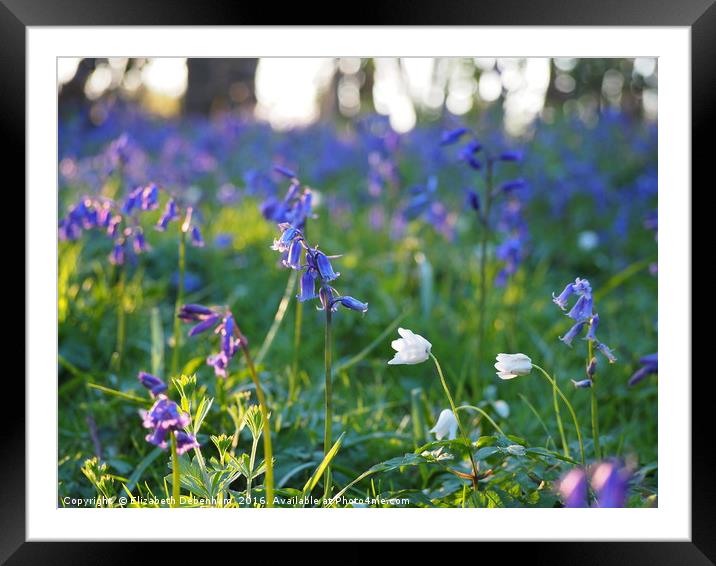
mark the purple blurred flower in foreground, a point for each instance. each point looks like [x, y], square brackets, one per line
[650, 365]
[609, 481]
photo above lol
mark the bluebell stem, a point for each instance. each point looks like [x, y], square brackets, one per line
[318, 268]
[650, 366]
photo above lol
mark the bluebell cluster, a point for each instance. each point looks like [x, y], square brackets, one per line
[223, 324]
[582, 313]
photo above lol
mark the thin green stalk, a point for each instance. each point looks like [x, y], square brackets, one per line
[560, 426]
[175, 471]
[278, 317]
[465, 437]
[553, 382]
[327, 431]
[595, 413]
[179, 302]
[121, 318]
[484, 414]
[252, 461]
[296, 344]
[268, 452]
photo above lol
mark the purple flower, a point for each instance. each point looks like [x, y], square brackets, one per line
[219, 362]
[604, 349]
[150, 197]
[185, 441]
[139, 243]
[582, 309]
[650, 365]
[510, 186]
[351, 303]
[572, 333]
[205, 325]
[285, 171]
[288, 233]
[153, 383]
[573, 488]
[561, 300]
[117, 255]
[473, 199]
[308, 286]
[324, 267]
[582, 384]
[592, 367]
[593, 325]
[610, 481]
[165, 414]
[194, 312]
[293, 260]
[195, 237]
[169, 214]
[511, 156]
[452, 136]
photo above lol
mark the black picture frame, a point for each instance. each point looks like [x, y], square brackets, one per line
[698, 15]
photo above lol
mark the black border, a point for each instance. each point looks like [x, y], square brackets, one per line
[699, 15]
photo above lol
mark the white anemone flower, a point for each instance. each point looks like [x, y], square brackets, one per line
[446, 426]
[410, 349]
[509, 366]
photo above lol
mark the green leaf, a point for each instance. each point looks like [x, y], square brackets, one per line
[313, 480]
[157, 342]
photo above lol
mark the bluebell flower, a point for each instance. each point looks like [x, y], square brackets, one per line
[610, 481]
[151, 382]
[572, 333]
[582, 384]
[351, 303]
[195, 237]
[604, 349]
[582, 309]
[219, 362]
[573, 489]
[511, 156]
[650, 366]
[593, 325]
[150, 197]
[139, 243]
[308, 286]
[592, 367]
[295, 250]
[515, 184]
[287, 236]
[170, 213]
[473, 199]
[194, 312]
[165, 414]
[185, 442]
[117, 255]
[326, 295]
[285, 171]
[209, 322]
[561, 300]
[452, 136]
[323, 264]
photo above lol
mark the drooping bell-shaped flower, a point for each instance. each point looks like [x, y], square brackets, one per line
[410, 349]
[509, 366]
[610, 481]
[650, 365]
[352, 303]
[572, 333]
[325, 269]
[446, 426]
[151, 382]
[185, 441]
